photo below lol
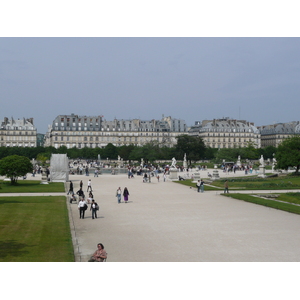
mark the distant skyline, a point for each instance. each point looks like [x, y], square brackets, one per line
[254, 79]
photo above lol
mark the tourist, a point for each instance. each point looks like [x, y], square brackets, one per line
[70, 188]
[202, 186]
[94, 208]
[81, 184]
[125, 194]
[99, 255]
[82, 206]
[90, 198]
[80, 193]
[226, 186]
[198, 186]
[89, 186]
[119, 194]
[72, 198]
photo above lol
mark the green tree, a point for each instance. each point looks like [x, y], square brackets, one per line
[249, 152]
[14, 166]
[229, 154]
[192, 146]
[288, 153]
[110, 151]
[124, 151]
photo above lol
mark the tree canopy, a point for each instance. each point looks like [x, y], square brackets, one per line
[192, 146]
[288, 153]
[14, 166]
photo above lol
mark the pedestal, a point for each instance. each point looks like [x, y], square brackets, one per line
[262, 171]
[196, 176]
[173, 174]
[44, 177]
[215, 174]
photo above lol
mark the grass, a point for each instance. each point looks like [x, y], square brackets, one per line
[255, 183]
[35, 229]
[31, 186]
[251, 183]
[289, 207]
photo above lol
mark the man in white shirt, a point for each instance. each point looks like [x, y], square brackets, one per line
[82, 206]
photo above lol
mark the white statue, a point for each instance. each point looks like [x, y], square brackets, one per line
[262, 161]
[184, 161]
[274, 163]
[173, 165]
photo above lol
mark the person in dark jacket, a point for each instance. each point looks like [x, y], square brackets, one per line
[70, 188]
[125, 194]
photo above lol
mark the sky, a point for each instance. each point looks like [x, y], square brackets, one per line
[194, 79]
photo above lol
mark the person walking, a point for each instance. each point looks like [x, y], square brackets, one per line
[125, 194]
[71, 189]
[89, 186]
[99, 255]
[94, 208]
[81, 184]
[226, 187]
[202, 186]
[119, 194]
[80, 193]
[82, 206]
[198, 186]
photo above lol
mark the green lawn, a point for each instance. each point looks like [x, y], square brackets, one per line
[251, 183]
[35, 229]
[31, 186]
[255, 183]
[288, 197]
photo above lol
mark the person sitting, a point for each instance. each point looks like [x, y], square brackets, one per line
[99, 255]
[73, 198]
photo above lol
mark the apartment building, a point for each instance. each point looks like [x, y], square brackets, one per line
[226, 133]
[18, 133]
[273, 135]
[94, 131]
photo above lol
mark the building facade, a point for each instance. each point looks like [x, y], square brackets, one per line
[18, 133]
[273, 135]
[226, 133]
[94, 131]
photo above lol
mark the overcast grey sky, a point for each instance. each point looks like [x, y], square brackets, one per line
[256, 79]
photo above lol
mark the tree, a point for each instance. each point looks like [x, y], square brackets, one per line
[14, 166]
[288, 153]
[192, 146]
[110, 151]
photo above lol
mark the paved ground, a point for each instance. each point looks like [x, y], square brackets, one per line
[168, 222]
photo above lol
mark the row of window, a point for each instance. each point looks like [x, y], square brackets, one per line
[108, 133]
[231, 134]
[18, 138]
[228, 140]
[107, 139]
[17, 133]
[85, 128]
